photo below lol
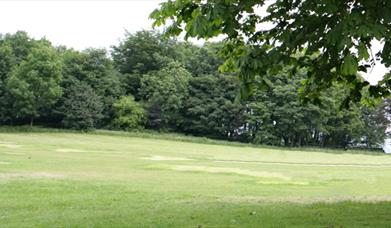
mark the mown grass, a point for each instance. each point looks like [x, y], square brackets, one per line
[105, 179]
[152, 134]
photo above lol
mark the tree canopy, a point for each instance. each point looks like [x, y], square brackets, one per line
[81, 108]
[331, 39]
[34, 84]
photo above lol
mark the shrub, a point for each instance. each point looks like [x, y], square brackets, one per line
[129, 114]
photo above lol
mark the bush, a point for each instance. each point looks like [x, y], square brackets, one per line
[128, 114]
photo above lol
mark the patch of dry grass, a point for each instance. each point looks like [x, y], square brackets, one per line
[165, 158]
[223, 170]
[32, 175]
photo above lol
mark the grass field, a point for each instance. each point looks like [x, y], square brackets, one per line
[101, 180]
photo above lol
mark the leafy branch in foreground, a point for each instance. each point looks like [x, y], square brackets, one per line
[335, 36]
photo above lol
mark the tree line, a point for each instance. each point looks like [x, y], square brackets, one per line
[149, 81]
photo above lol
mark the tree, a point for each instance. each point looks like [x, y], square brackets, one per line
[375, 124]
[140, 52]
[276, 116]
[35, 84]
[5, 68]
[128, 114]
[95, 69]
[335, 37]
[197, 60]
[165, 91]
[82, 107]
[210, 109]
[14, 48]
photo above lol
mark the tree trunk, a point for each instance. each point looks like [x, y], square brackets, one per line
[286, 143]
[31, 121]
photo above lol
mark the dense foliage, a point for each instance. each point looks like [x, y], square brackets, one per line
[153, 82]
[129, 114]
[335, 37]
[82, 107]
[34, 84]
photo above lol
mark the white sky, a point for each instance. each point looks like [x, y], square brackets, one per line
[89, 23]
[75, 23]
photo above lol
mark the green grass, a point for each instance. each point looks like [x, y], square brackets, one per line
[108, 179]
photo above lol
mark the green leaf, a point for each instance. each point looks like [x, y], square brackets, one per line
[362, 52]
[386, 57]
[349, 65]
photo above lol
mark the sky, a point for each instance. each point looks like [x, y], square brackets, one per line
[77, 23]
[91, 23]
